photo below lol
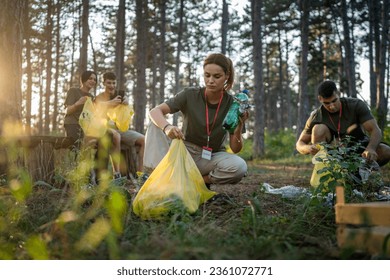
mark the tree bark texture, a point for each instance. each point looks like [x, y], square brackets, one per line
[140, 89]
[11, 43]
[84, 37]
[303, 109]
[258, 95]
[120, 45]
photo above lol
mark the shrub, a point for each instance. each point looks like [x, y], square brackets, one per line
[344, 165]
[279, 144]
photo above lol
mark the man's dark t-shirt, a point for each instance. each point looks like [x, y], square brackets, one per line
[353, 111]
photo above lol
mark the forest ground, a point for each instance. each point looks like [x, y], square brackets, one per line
[313, 235]
[250, 224]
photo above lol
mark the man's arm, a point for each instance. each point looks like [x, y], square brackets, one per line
[375, 133]
[304, 145]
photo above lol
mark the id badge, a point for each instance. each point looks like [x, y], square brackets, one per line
[206, 153]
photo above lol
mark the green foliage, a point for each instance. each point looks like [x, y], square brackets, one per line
[295, 222]
[386, 135]
[70, 219]
[342, 164]
[246, 152]
[279, 144]
[42, 221]
[85, 222]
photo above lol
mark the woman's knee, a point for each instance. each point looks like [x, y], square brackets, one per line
[230, 174]
[242, 168]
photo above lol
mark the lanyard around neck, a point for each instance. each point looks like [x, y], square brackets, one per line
[338, 127]
[208, 129]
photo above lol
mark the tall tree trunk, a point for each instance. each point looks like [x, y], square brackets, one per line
[12, 14]
[225, 25]
[120, 45]
[289, 103]
[303, 109]
[162, 49]
[178, 53]
[72, 78]
[29, 82]
[95, 65]
[377, 40]
[349, 53]
[41, 97]
[84, 36]
[140, 90]
[267, 91]
[153, 91]
[281, 111]
[258, 95]
[57, 59]
[11, 44]
[371, 61]
[49, 64]
[382, 100]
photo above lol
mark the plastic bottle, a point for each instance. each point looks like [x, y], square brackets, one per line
[238, 107]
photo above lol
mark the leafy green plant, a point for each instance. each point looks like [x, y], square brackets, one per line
[342, 165]
[68, 219]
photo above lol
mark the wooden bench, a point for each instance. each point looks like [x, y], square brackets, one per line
[363, 226]
[39, 155]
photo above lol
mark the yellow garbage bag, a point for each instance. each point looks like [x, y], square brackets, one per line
[91, 121]
[175, 185]
[319, 161]
[121, 115]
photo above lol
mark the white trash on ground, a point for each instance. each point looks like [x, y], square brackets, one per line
[286, 191]
[290, 191]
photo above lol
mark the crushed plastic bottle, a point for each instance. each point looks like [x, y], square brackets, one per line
[238, 107]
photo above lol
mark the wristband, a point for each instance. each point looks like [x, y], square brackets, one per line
[166, 127]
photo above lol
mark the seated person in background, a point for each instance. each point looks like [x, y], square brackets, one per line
[74, 103]
[338, 117]
[110, 98]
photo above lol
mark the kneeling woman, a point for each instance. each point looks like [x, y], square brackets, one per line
[204, 110]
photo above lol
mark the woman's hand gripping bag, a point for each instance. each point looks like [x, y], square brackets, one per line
[121, 115]
[175, 185]
[91, 121]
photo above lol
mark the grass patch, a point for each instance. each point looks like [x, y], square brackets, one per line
[69, 220]
[61, 222]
